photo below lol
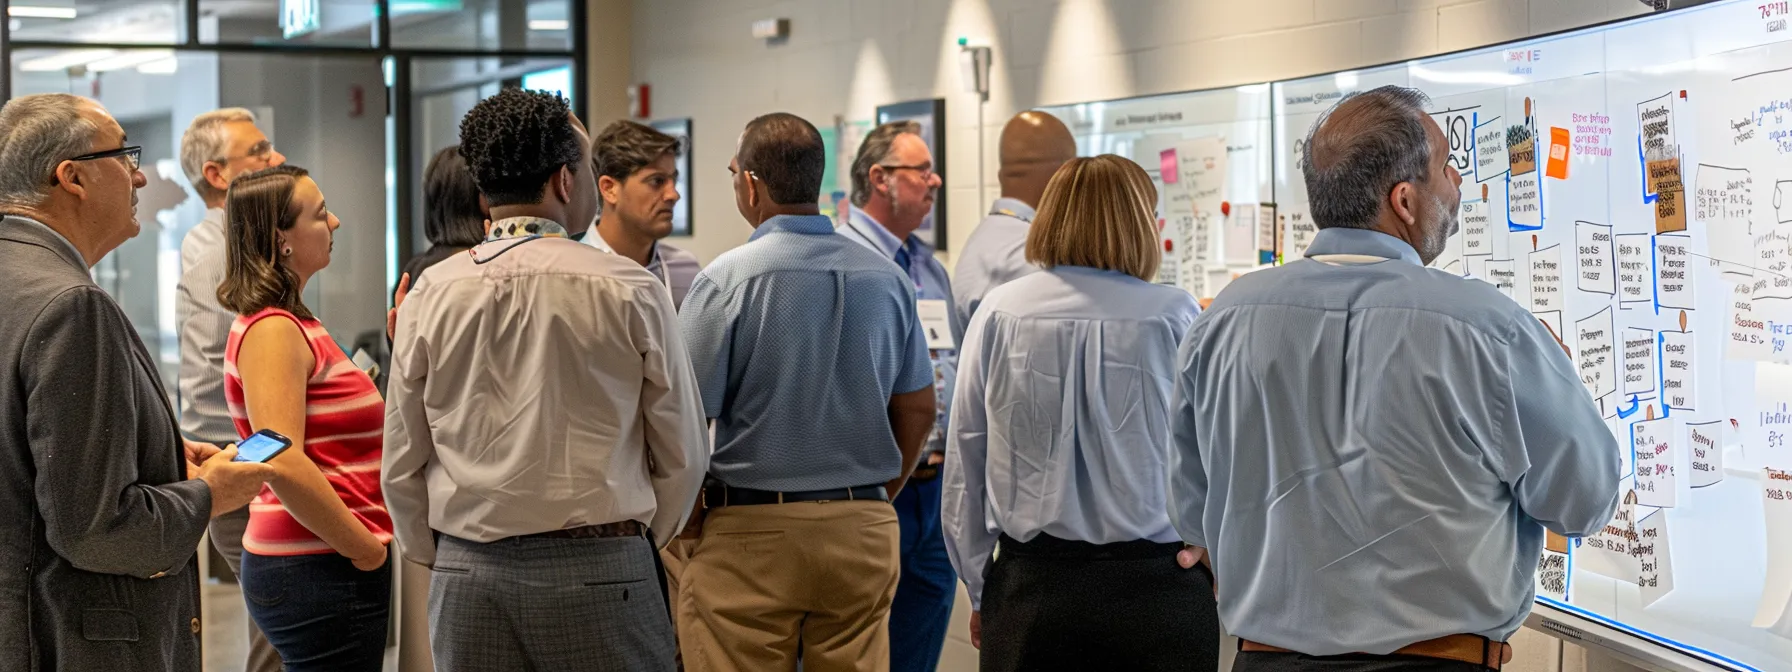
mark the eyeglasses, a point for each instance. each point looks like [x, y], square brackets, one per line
[926, 170]
[260, 150]
[133, 156]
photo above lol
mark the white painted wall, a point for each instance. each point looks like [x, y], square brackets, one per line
[845, 57]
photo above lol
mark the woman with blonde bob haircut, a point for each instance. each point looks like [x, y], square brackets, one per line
[1060, 437]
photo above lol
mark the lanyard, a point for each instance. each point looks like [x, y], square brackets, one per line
[474, 252]
[1005, 212]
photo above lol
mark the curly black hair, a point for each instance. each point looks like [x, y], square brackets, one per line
[515, 141]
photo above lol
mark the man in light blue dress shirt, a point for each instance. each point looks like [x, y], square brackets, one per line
[893, 187]
[813, 365]
[1033, 146]
[1369, 449]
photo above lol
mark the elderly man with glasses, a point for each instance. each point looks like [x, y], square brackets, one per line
[217, 147]
[100, 517]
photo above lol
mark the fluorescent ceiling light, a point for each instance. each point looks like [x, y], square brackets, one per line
[130, 59]
[548, 24]
[65, 60]
[39, 12]
[166, 66]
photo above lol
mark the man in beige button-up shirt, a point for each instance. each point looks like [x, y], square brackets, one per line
[541, 417]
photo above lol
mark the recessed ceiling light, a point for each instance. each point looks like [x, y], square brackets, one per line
[39, 12]
[548, 24]
[65, 60]
[130, 59]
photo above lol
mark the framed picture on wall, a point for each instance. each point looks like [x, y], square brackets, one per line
[931, 114]
[681, 213]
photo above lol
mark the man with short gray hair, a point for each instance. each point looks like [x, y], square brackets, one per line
[217, 147]
[893, 189]
[1369, 449]
[98, 515]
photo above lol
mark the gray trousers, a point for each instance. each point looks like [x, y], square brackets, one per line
[227, 536]
[548, 604]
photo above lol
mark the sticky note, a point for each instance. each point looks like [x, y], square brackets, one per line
[1558, 153]
[1166, 161]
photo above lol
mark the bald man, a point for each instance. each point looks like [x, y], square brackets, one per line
[1034, 144]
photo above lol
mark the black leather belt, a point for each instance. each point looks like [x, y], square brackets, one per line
[626, 528]
[723, 495]
[925, 472]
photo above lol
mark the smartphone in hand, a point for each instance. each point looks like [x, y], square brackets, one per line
[262, 446]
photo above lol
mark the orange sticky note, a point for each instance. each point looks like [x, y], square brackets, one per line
[1558, 153]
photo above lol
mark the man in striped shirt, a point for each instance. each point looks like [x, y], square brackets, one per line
[216, 148]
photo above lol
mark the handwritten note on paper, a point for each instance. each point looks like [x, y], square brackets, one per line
[1775, 609]
[1524, 202]
[1266, 233]
[1639, 361]
[1748, 330]
[1607, 552]
[1298, 227]
[1678, 377]
[1490, 150]
[1477, 228]
[1656, 479]
[1546, 280]
[1503, 273]
[1724, 200]
[1706, 441]
[1552, 574]
[1670, 195]
[1655, 557]
[1241, 235]
[1593, 251]
[1596, 353]
[1773, 254]
[1635, 279]
[1655, 118]
[1770, 436]
[1673, 272]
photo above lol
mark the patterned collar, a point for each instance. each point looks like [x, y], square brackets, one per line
[525, 227]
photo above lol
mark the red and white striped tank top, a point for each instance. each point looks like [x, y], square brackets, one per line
[344, 430]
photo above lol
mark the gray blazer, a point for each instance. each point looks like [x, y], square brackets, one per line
[98, 526]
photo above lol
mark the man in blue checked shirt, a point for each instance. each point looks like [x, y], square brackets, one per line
[893, 187]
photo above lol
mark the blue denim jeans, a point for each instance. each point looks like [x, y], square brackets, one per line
[318, 611]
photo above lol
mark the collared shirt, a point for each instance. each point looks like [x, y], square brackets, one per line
[204, 331]
[931, 283]
[996, 253]
[675, 267]
[799, 339]
[1062, 424]
[1371, 450]
[538, 384]
[27, 221]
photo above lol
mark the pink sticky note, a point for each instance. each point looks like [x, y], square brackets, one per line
[1167, 165]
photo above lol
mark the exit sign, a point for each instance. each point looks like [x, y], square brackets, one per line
[298, 17]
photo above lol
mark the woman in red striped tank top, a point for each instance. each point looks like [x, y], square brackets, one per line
[314, 570]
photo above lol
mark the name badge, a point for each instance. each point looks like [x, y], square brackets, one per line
[936, 323]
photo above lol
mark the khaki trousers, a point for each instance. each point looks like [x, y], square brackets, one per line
[763, 578]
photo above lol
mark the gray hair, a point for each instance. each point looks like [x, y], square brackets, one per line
[37, 133]
[1381, 142]
[874, 150]
[205, 141]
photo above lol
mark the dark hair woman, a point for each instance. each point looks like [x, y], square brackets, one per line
[314, 570]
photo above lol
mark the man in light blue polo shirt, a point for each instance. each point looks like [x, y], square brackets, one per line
[814, 368]
[1371, 449]
[1034, 145]
[893, 187]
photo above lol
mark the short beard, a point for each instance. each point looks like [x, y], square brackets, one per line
[1437, 236]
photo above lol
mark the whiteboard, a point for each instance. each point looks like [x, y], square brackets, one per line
[1208, 153]
[1631, 185]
